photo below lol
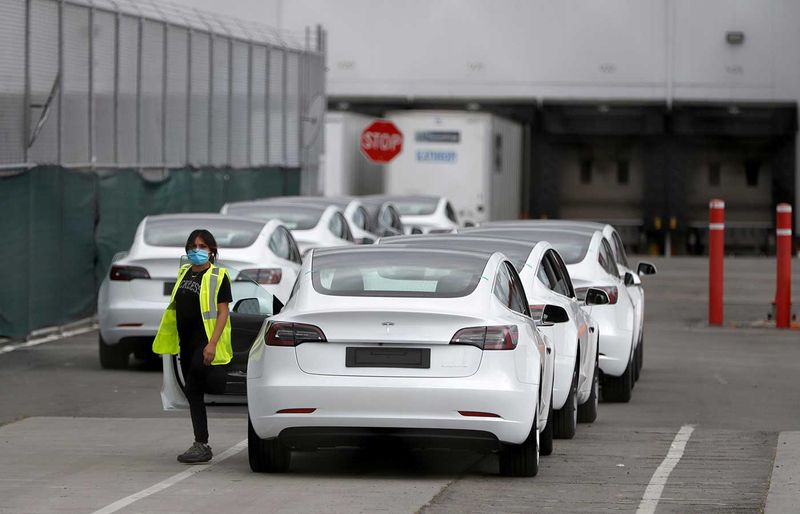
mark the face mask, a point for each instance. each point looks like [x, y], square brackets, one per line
[197, 257]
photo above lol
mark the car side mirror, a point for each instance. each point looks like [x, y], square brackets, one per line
[596, 297]
[553, 314]
[247, 306]
[629, 280]
[416, 230]
[277, 305]
[469, 224]
[364, 241]
[645, 268]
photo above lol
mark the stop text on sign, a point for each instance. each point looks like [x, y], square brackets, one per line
[381, 141]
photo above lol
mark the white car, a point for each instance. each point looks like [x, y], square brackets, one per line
[590, 262]
[136, 290]
[546, 281]
[312, 226]
[354, 212]
[635, 287]
[435, 347]
[384, 218]
[425, 214]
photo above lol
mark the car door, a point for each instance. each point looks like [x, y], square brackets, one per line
[624, 309]
[282, 245]
[251, 305]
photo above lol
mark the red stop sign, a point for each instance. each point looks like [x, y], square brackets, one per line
[381, 141]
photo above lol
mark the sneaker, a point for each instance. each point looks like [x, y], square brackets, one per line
[199, 452]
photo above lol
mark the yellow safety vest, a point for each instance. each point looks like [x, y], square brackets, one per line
[167, 341]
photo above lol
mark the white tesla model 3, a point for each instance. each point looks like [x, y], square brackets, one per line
[546, 281]
[313, 226]
[435, 347]
[135, 292]
[425, 214]
[591, 265]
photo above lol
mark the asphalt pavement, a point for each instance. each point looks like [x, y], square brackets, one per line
[712, 427]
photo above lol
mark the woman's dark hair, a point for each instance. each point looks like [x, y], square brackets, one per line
[207, 238]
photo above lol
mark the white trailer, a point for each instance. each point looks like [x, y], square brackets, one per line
[472, 158]
[344, 170]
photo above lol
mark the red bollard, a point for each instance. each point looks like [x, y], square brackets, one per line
[783, 290]
[716, 259]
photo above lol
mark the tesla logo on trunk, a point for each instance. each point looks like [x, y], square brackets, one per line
[387, 324]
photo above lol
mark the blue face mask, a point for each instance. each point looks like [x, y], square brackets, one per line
[197, 257]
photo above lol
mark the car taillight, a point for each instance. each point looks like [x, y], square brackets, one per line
[264, 275]
[611, 291]
[502, 337]
[292, 334]
[127, 273]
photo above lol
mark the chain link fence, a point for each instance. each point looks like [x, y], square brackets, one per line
[124, 84]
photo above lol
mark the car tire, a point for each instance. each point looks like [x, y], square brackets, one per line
[521, 460]
[566, 418]
[113, 356]
[619, 389]
[546, 436]
[266, 456]
[587, 412]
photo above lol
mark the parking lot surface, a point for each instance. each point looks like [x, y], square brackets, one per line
[75, 438]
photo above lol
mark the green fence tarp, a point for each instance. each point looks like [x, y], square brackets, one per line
[65, 226]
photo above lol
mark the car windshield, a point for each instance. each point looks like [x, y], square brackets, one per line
[405, 273]
[416, 206]
[229, 233]
[571, 245]
[295, 217]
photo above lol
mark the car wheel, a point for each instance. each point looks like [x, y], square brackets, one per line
[566, 418]
[546, 436]
[268, 456]
[587, 412]
[113, 356]
[521, 460]
[618, 389]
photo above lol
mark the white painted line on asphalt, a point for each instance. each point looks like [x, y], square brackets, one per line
[169, 482]
[784, 484]
[659, 479]
[48, 339]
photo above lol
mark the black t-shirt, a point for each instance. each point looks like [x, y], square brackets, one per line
[189, 317]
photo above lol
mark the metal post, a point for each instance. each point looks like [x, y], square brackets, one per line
[267, 74]
[59, 142]
[188, 96]
[250, 105]
[230, 102]
[284, 107]
[92, 157]
[783, 290]
[210, 95]
[139, 58]
[117, 46]
[164, 53]
[716, 260]
[26, 114]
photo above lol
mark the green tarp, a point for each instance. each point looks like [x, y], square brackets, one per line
[62, 228]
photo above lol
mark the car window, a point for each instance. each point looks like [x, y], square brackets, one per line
[545, 275]
[622, 258]
[396, 224]
[561, 285]
[337, 226]
[385, 217]
[228, 233]
[279, 244]
[607, 259]
[509, 291]
[360, 218]
[294, 254]
[451, 214]
[346, 233]
[559, 263]
[296, 217]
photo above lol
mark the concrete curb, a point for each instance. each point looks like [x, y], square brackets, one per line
[784, 485]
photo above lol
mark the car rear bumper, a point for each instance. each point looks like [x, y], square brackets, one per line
[133, 318]
[311, 438]
[388, 402]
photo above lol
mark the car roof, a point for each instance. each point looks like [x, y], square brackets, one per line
[341, 202]
[572, 224]
[516, 250]
[267, 205]
[201, 216]
[389, 249]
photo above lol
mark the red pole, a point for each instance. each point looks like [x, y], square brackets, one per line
[716, 255]
[783, 291]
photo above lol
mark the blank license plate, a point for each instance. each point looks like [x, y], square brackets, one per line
[388, 358]
[168, 286]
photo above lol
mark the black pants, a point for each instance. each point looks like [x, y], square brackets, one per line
[195, 374]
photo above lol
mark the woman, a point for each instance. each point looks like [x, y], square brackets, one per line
[196, 325]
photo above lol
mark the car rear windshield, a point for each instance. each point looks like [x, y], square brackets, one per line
[571, 245]
[295, 217]
[406, 273]
[416, 206]
[228, 233]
